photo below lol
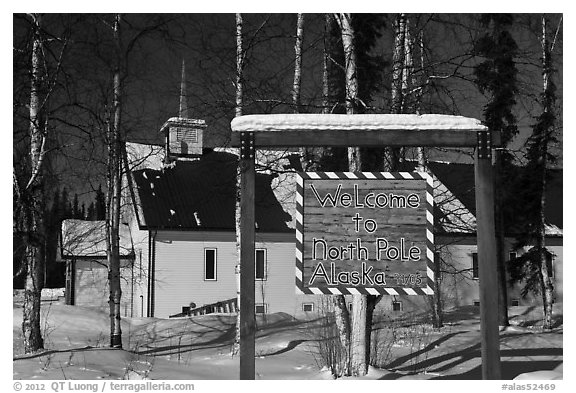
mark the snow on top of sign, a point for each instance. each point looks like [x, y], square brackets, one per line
[297, 122]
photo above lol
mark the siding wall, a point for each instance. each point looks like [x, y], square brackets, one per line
[460, 289]
[92, 288]
[140, 244]
[180, 274]
[180, 271]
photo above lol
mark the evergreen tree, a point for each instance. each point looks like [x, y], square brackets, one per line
[370, 68]
[76, 213]
[91, 212]
[100, 207]
[532, 267]
[55, 209]
[65, 206]
[496, 76]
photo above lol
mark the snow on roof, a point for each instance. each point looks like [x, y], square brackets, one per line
[308, 121]
[82, 238]
[553, 230]
[183, 120]
[284, 181]
[141, 156]
[202, 195]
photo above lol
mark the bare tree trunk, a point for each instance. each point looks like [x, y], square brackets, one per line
[313, 155]
[421, 152]
[238, 112]
[392, 157]
[342, 319]
[358, 341]
[345, 22]
[437, 297]
[239, 65]
[325, 61]
[546, 281]
[33, 205]
[359, 352]
[298, 63]
[296, 84]
[114, 193]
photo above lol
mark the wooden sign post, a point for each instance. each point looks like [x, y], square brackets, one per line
[487, 269]
[247, 263]
[285, 130]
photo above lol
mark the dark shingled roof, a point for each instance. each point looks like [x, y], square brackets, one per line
[200, 195]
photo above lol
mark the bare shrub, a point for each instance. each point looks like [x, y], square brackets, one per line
[327, 349]
[404, 338]
[382, 341]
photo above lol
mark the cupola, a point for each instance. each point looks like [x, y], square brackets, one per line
[183, 135]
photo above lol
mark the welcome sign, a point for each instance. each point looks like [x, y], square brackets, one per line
[364, 233]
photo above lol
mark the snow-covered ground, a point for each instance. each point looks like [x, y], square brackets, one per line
[198, 348]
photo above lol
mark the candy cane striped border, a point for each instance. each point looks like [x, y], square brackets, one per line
[343, 290]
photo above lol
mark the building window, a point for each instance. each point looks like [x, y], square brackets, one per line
[350, 307]
[210, 264]
[261, 308]
[307, 307]
[396, 305]
[515, 302]
[261, 264]
[477, 303]
[475, 265]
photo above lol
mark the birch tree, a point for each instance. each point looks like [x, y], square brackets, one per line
[539, 157]
[358, 349]
[41, 56]
[114, 180]
[32, 197]
[238, 112]
[532, 266]
[296, 85]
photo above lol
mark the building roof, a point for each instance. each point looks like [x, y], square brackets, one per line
[459, 180]
[201, 195]
[87, 239]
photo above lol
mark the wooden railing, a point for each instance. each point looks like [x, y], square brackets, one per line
[226, 306]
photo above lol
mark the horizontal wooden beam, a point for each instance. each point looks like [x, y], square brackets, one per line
[319, 130]
[362, 138]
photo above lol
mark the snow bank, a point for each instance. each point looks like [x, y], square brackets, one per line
[555, 374]
[300, 122]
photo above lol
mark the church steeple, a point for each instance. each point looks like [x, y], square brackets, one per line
[183, 110]
[183, 135]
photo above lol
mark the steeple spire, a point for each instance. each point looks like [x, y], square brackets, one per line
[183, 111]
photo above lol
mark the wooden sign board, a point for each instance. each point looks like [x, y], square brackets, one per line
[364, 233]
